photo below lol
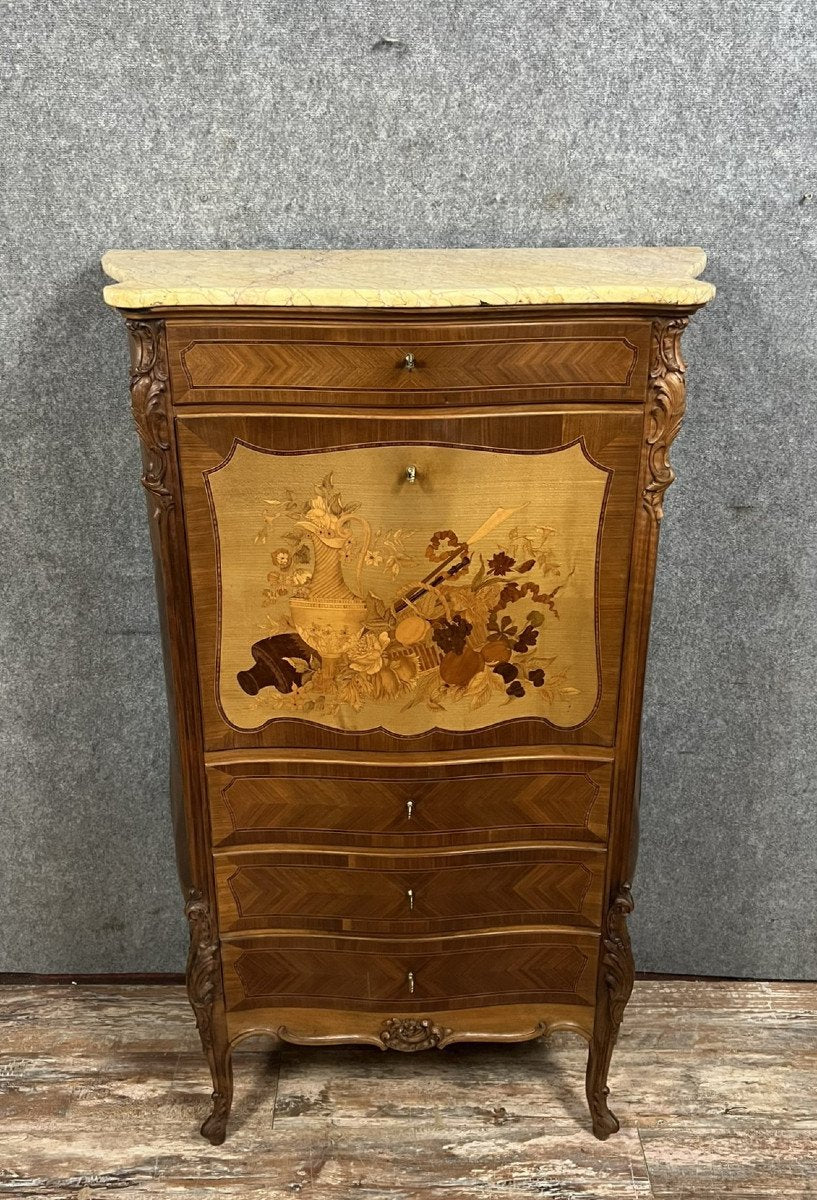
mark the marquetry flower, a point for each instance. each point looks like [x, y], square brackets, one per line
[366, 655]
[373, 558]
[322, 522]
[501, 563]
[282, 558]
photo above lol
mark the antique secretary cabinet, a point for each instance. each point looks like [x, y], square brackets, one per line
[405, 508]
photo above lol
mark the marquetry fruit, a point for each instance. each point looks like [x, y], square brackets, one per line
[496, 652]
[411, 630]
[506, 671]
[459, 669]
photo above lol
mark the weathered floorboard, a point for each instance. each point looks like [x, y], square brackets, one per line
[102, 1089]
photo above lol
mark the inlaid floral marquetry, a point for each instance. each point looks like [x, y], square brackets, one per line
[356, 597]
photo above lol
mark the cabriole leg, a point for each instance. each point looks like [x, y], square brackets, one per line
[221, 1066]
[202, 989]
[615, 985]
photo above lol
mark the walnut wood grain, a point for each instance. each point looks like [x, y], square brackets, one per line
[442, 973]
[432, 808]
[442, 366]
[352, 359]
[412, 895]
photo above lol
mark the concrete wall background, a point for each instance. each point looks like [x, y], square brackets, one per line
[280, 124]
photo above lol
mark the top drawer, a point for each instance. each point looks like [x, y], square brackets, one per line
[580, 359]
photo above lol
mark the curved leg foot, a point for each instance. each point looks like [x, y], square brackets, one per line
[219, 1056]
[215, 1127]
[203, 992]
[615, 985]
[605, 1122]
[606, 1125]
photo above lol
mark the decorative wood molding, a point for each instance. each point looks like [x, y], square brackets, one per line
[408, 1034]
[150, 400]
[666, 406]
[616, 976]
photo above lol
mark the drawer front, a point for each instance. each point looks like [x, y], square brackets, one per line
[360, 583]
[402, 895]
[579, 359]
[439, 807]
[377, 975]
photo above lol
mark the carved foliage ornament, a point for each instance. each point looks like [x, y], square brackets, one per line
[202, 964]
[665, 409]
[617, 975]
[409, 1035]
[617, 959]
[150, 399]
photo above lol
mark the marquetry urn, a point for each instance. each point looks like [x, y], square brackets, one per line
[404, 508]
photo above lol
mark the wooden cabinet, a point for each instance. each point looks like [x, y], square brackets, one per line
[405, 554]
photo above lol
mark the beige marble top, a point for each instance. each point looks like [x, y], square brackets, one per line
[405, 278]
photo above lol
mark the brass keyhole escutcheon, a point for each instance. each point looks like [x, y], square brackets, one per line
[411, 474]
[409, 362]
[410, 980]
[409, 809]
[410, 898]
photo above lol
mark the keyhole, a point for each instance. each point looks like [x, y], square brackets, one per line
[410, 896]
[410, 978]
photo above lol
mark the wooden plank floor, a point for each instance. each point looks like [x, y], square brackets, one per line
[102, 1088]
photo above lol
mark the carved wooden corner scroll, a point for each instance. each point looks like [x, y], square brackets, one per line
[666, 405]
[150, 401]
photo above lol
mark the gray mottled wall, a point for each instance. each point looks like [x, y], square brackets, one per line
[293, 124]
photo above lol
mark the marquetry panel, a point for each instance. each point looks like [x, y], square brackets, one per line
[427, 808]
[375, 975]
[335, 600]
[430, 893]
[487, 361]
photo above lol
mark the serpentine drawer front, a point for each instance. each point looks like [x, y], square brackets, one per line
[404, 508]
[445, 972]
[432, 893]
[434, 807]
